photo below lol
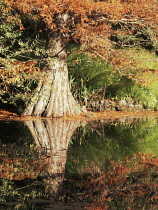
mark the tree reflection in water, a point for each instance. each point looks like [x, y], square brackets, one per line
[33, 178]
[35, 175]
[53, 136]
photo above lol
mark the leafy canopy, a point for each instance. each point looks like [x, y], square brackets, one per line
[90, 21]
[96, 25]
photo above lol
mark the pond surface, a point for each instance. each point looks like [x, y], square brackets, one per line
[69, 164]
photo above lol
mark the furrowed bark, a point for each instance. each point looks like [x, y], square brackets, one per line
[53, 96]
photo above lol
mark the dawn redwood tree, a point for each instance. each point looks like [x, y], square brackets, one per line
[85, 21]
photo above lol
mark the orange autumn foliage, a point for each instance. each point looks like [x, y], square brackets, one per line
[19, 71]
[20, 166]
[90, 21]
[132, 181]
[93, 24]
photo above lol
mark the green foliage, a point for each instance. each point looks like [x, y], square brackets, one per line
[121, 89]
[144, 37]
[21, 37]
[89, 77]
[127, 88]
[144, 59]
[21, 40]
[23, 195]
[99, 143]
[93, 78]
[16, 87]
[146, 66]
[10, 31]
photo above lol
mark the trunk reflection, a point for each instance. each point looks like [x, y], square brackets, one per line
[52, 137]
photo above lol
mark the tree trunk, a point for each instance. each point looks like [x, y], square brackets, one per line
[53, 97]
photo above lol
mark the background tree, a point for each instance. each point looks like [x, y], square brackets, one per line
[87, 22]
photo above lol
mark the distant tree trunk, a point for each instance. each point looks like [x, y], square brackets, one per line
[53, 97]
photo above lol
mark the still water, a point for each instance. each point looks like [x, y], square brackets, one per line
[68, 164]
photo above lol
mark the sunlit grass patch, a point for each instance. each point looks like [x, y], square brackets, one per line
[144, 59]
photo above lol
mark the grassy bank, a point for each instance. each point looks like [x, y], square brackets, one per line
[134, 77]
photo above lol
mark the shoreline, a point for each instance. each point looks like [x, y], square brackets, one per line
[89, 116]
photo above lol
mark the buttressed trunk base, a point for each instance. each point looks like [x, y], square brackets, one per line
[53, 97]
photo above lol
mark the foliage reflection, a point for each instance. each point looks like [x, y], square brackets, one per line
[99, 165]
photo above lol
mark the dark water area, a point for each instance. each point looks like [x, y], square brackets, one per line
[68, 164]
